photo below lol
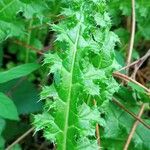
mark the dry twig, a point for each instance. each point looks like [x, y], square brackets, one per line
[134, 128]
[129, 112]
[132, 35]
[138, 65]
[97, 131]
[28, 46]
[138, 62]
[19, 139]
[128, 79]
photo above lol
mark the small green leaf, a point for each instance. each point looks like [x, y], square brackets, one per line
[2, 141]
[18, 71]
[25, 95]
[7, 108]
[136, 87]
[141, 94]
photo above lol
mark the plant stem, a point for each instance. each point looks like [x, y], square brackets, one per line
[25, 45]
[126, 78]
[132, 35]
[134, 128]
[129, 112]
[19, 139]
[137, 62]
[97, 130]
[28, 41]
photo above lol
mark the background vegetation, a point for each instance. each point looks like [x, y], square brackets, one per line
[26, 35]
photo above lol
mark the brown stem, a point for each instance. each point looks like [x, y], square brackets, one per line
[97, 131]
[137, 62]
[134, 128]
[98, 135]
[28, 46]
[132, 35]
[19, 139]
[128, 79]
[129, 112]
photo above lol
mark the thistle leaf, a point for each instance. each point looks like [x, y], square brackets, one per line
[68, 120]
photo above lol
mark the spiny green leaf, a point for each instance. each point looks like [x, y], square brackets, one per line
[82, 66]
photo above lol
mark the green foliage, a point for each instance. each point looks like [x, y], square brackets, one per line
[7, 108]
[2, 126]
[118, 127]
[20, 103]
[79, 87]
[82, 72]
[16, 147]
[82, 65]
[121, 10]
[140, 92]
[25, 95]
[23, 21]
[18, 72]
[15, 12]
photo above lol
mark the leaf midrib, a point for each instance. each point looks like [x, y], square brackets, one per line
[70, 88]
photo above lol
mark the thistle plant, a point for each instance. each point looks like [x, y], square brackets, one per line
[81, 63]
